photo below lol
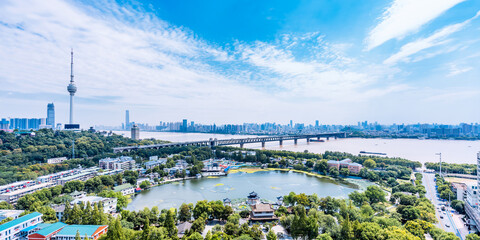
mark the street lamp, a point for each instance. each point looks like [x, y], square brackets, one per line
[440, 155]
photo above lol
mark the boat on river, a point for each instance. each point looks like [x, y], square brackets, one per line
[373, 153]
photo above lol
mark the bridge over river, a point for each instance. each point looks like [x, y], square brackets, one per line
[240, 141]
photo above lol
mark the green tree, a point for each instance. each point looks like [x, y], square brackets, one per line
[77, 236]
[198, 225]
[472, 236]
[370, 163]
[195, 236]
[185, 213]
[358, 198]
[375, 194]
[115, 230]
[271, 235]
[333, 171]
[324, 236]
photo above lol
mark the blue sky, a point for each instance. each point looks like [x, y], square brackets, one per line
[398, 61]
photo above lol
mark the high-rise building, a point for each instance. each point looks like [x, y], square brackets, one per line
[72, 89]
[291, 123]
[184, 125]
[135, 132]
[316, 123]
[4, 124]
[51, 115]
[127, 119]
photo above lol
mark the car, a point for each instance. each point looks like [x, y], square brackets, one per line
[447, 225]
[441, 217]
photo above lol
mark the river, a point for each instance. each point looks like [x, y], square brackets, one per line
[453, 151]
[268, 184]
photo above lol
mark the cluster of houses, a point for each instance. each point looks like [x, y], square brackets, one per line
[32, 227]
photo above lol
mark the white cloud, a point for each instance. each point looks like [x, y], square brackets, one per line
[404, 17]
[436, 39]
[455, 69]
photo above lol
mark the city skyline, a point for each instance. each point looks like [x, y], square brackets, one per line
[345, 65]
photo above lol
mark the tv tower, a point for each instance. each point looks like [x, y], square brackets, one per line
[72, 89]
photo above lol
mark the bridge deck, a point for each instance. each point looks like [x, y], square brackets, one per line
[224, 142]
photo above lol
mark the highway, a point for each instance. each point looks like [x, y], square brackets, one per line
[453, 220]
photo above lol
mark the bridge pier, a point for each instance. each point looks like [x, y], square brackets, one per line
[318, 138]
[263, 144]
[335, 137]
[295, 141]
[329, 138]
[241, 145]
[308, 140]
[281, 142]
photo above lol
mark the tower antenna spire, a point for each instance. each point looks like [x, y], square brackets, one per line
[72, 89]
[71, 66]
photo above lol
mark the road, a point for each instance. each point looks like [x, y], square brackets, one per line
[456, 225]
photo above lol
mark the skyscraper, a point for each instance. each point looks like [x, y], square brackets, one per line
[135, 132]
[72, 89]
[51, 115]
[185, 125]
[316, 123]
[127, 119]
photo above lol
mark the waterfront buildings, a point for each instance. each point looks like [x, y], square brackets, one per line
[135, 132]
[125, 189]
[253, 198]
[155, 163]
[20, 228]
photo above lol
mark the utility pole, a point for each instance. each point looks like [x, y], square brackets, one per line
[440, 154]
[73, 148]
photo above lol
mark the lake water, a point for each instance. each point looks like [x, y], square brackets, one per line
[268, 184]
[453, 151]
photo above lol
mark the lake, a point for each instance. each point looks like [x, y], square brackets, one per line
[453, 151]
[268, 184]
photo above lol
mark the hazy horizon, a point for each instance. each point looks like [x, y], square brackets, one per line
[242, 61]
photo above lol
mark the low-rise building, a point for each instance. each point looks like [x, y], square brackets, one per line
[155, 163]
[56, 160]
[345, 163]
[123, 162]
[83, 175]
[93, 232]
[55, 176]
[125, 189]
[20, 227]
[13, 214]
[46, 231]
[109, 204]
[262, 212]
[12, 197]
[253, 198]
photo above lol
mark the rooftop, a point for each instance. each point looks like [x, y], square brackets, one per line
[122, 187]
[26, 189]
[71, 230]
[262, 207]
[19, 220]
[51, 228]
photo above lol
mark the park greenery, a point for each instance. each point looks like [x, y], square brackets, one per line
[463, 168]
